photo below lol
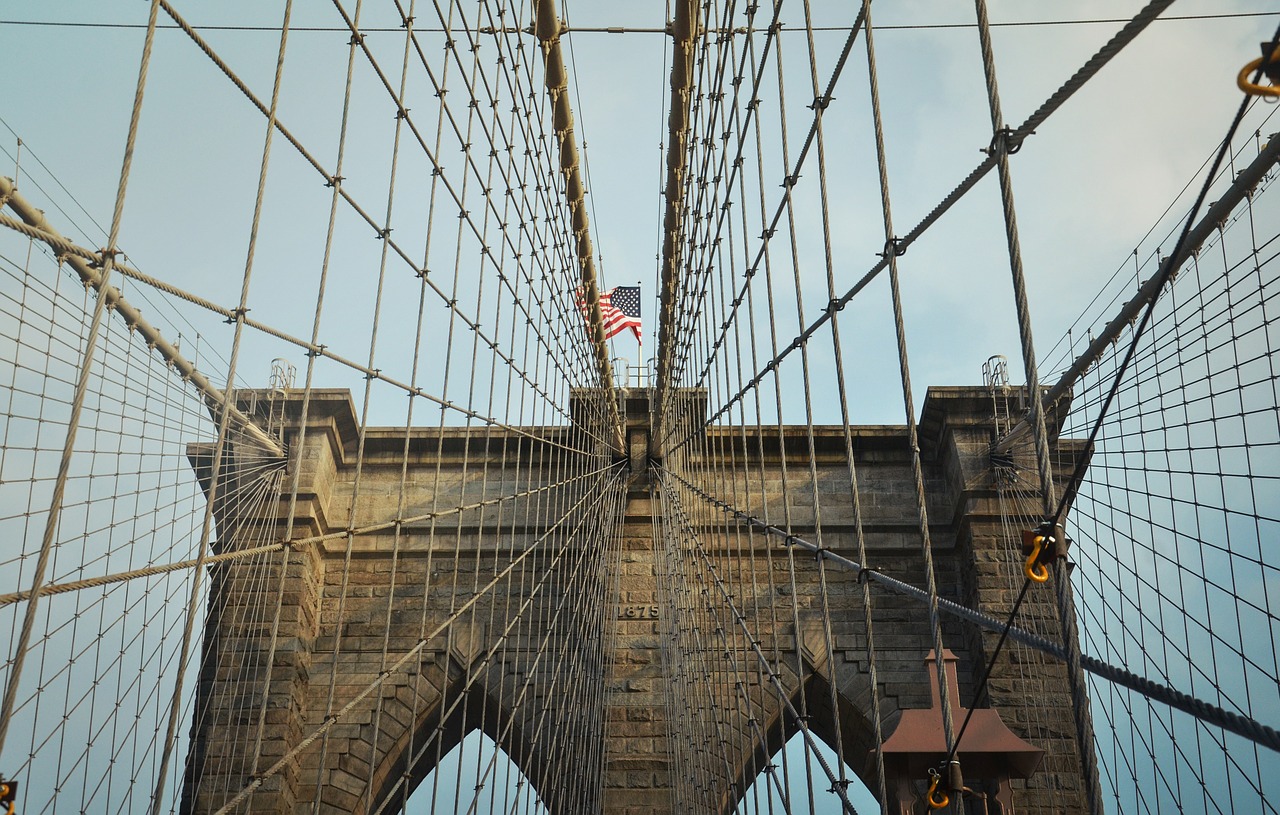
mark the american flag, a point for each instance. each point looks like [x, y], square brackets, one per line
[620, 309]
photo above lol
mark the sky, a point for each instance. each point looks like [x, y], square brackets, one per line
[1104, 178]
[1088, 186]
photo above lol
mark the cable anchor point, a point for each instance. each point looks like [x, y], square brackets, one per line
[1039, 545]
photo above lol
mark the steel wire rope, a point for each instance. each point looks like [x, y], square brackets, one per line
[439, 629]
[526, 160]
[725, 689]
[821, 100]
[714, 467]
[1240, 725]
[363, 421]
[305, 407]
[1017, 509]
[224, 419]
[173, 315]
[1037, 118]
[705, 292]
[692, 295]
[801, 719]
[680, 311]
[577, 95]
[1135, 635]
[1166, 273]
[312, 348]
[706, 703]
[465, 140]
[403, 483]
[774, 664]
[510, 722]
[757, 127]
[810, 459]
[448, 370]
[744, 555]
[952, 778]
[548, 184]
[667, 316]
[108, 257]
[291, 543]
[1001, 146]
[739, 688]
[471, 386]
[713, 239]
[544, 187]
[647, 30]
[332, 180]
[1168, 235]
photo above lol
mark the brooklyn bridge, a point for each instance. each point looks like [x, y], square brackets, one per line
[367, 448]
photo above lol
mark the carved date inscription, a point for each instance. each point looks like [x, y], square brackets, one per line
[637, 612]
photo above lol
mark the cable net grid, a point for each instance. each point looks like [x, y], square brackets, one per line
[1171, 523]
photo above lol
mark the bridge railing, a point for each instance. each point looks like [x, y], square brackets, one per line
[626, 375]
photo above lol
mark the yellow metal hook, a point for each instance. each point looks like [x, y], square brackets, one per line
[1034, 571]
[936, 798]
[1242, 79]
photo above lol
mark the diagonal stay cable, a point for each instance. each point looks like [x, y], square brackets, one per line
[336, 181]
[1077, 80]
[403, 115]
[789, 181]
[62, 245]
[839, 788]
[391, 670]
[293, 543]
[1168, 269]
[1243, 726]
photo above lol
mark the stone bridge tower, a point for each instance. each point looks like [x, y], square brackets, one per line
[325, 653]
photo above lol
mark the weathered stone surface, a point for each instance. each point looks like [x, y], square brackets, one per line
[294, 635]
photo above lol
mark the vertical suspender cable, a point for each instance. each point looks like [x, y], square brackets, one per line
[1000, 147]
[175, 702]
[82, 387]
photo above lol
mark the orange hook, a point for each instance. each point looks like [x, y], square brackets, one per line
[1035, 571]
[936, 798]
[1242, 79]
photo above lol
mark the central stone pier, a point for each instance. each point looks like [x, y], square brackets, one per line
[650, 596]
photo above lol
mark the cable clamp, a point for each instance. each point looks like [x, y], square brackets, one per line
[893, 248]
[1269, 63]
[820, 103]
[1006, 141]
[236, 315]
